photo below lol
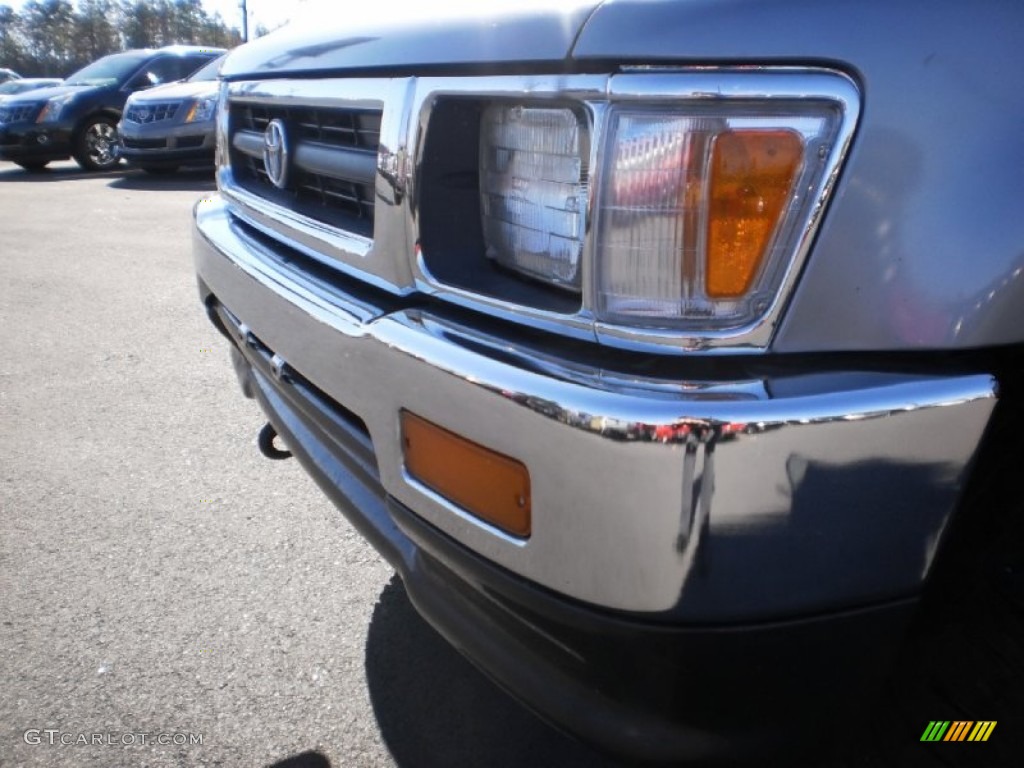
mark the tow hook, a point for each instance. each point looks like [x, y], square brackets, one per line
[265, 441]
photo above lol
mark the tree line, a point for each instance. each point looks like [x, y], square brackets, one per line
[53, 38]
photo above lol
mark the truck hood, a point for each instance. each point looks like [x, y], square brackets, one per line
[390, 35]
[173, 91]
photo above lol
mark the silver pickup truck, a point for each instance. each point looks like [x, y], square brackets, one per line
[653, 343]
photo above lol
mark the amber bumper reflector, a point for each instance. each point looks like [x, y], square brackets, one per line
[490, 485]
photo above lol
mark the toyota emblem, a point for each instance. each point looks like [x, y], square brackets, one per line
[275, 153]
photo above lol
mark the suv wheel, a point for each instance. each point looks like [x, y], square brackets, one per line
[95, 144]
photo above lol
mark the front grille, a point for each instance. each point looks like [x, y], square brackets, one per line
[151, 113]
[143, 143]
[335, 127]
[190, 142]
[19, 113]
[332, 156]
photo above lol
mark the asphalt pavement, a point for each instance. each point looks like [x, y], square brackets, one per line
[168, 597]
[161, 583]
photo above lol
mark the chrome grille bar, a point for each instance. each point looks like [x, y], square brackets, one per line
[358, 166]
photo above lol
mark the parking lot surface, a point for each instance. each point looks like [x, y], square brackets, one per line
[170, 593]
[159, 577]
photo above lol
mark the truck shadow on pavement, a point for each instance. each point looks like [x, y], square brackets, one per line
[304, 760]
[435, 710]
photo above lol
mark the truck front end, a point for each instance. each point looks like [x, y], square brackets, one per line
[619, 341]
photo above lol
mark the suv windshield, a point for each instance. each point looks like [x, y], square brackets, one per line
[110, 70]
[207, 72]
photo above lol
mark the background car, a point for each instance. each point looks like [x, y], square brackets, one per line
[23, 85]
[79, 117]
[8, 74]
[171, 125]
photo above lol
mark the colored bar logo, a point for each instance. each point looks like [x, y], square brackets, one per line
[958, 730]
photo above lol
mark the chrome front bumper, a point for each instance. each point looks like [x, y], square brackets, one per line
[702, 501]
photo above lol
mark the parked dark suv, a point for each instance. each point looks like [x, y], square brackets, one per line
[79, 118]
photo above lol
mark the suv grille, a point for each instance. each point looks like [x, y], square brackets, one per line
[19, 113]
[151, 113]
[333, 156]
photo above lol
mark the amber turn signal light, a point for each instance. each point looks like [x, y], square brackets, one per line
[752, 173]
[490, 485]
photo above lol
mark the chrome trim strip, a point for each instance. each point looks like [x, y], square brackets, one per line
[699, 500]
[330, 93]
[355, 165]
[313, 238]
[249, 143]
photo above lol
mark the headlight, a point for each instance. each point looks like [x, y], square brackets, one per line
[533, 191]
[53, 108]
[696, 216]
[201, 111]
[671, 210]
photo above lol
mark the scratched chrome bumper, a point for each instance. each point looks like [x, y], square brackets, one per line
[703, 501]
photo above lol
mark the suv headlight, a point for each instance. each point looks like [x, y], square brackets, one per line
[53, 108]
[202, 110]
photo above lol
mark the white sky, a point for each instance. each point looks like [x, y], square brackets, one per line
[274, 13]
[270, 13]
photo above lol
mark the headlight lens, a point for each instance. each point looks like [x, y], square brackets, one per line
[52, 111]
[533, 190]
[201, 111]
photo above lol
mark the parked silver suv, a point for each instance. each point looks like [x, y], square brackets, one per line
[171, 125]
